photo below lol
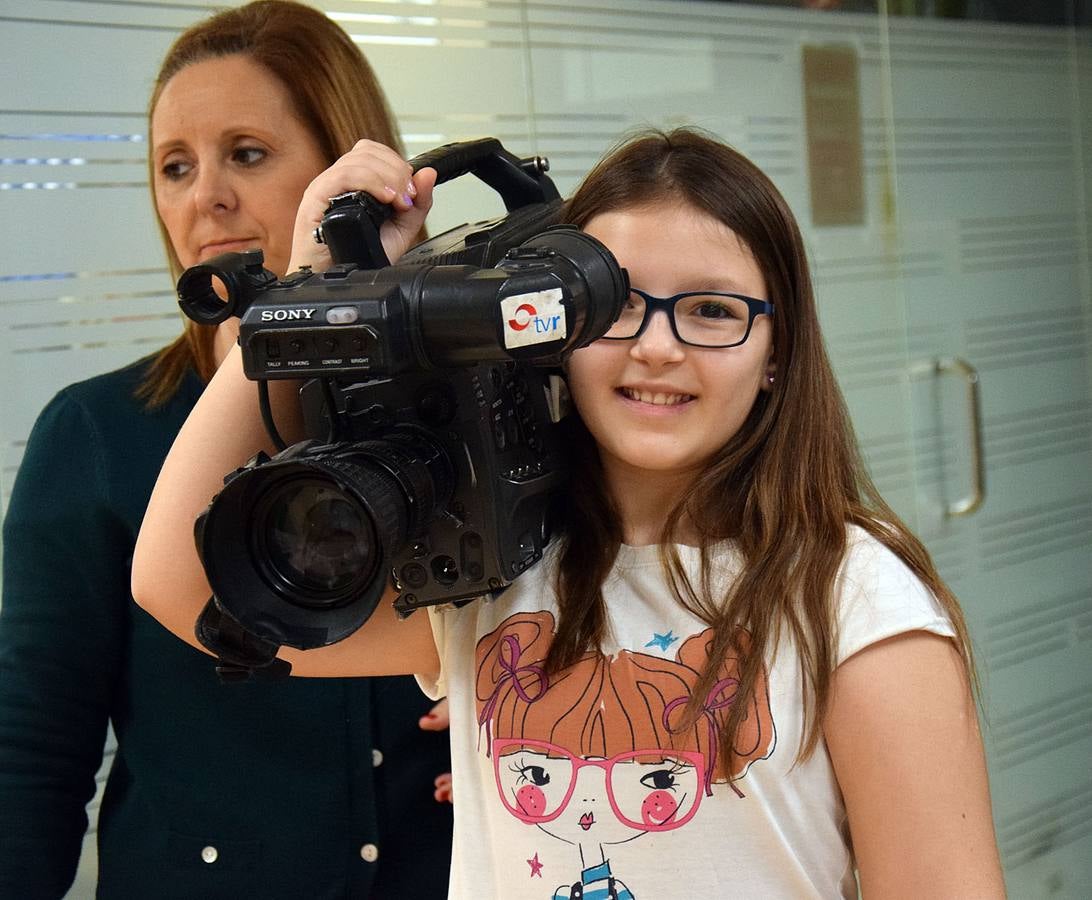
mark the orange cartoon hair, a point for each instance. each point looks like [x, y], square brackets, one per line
[602, 706]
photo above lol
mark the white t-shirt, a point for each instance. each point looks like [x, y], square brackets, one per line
[584, 778]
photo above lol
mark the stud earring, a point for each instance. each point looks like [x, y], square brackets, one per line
[769, 379]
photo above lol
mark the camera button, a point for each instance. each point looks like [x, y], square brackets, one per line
[342, 315]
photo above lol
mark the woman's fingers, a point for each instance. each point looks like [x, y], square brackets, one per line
[370, 167]
[400, 231]
[442, 789]
[436, 719]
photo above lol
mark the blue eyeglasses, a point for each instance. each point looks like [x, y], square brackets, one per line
[698, 318]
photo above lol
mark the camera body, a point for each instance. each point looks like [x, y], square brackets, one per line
[430, 402]
[493, 426]
[420, 313]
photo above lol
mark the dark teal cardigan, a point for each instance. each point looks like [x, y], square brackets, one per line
[279, 777]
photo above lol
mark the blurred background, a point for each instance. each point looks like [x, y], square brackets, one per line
[938, 154]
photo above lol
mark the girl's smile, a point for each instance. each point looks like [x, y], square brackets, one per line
[651, 396]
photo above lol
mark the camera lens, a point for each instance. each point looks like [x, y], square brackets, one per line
[318, 541]
[298, 549]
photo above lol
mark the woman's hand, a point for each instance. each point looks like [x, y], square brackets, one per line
[378, 170]
[442, 790]
[438, 719]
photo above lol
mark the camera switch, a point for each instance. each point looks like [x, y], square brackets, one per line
[414, 575]
[500, 436]
[472, 556]
[342, 315]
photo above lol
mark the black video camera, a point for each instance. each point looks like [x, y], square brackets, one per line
[430, 403]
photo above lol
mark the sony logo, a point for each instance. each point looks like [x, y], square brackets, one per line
[286, 315]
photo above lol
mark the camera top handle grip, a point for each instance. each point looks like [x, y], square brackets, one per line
[520, 182]
[351, 225]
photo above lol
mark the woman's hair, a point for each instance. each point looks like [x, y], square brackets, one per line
[335, 94]
[784, 489]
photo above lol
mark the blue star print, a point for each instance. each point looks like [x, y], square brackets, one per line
[663, 641]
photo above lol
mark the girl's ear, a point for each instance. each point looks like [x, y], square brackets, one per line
[770, 376]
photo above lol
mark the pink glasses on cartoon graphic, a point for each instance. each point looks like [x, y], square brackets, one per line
[650, 790]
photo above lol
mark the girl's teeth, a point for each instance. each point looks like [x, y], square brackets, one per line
[656, 399]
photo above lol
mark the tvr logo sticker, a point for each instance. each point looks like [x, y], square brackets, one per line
[534, 318]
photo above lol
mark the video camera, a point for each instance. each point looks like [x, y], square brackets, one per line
[430, 403]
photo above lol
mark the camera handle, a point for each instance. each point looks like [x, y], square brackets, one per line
[350, 227]
[520, 182]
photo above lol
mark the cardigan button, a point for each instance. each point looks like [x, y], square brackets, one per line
[210, 854]
[369, 853]
[377, 758]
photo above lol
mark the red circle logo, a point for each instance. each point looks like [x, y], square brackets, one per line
[517, 322]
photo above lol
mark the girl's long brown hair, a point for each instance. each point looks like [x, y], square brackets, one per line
[784, 489]
[335, 94]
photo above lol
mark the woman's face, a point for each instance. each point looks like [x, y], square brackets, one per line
[231, 160]
[656, 407]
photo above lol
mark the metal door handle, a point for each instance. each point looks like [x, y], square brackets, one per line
[961, 368]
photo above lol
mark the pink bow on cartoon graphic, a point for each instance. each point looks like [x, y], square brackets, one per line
[714, 701]
[512, 673]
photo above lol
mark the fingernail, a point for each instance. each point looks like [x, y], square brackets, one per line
[411, 189]
[390, 190]
[407, 199]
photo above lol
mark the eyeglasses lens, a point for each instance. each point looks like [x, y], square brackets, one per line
[707, 320]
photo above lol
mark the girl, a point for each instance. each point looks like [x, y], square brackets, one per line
[735, 673]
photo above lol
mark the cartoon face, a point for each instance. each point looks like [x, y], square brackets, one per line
[600, 753]
[602, 800]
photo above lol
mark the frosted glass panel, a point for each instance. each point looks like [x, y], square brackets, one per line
[991, 141]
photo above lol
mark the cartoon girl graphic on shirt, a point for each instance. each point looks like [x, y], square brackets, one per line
[596, 755]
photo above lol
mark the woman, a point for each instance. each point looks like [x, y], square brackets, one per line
[735, 673]
[290, 789]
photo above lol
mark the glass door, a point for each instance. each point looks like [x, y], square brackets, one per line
[990, 133]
